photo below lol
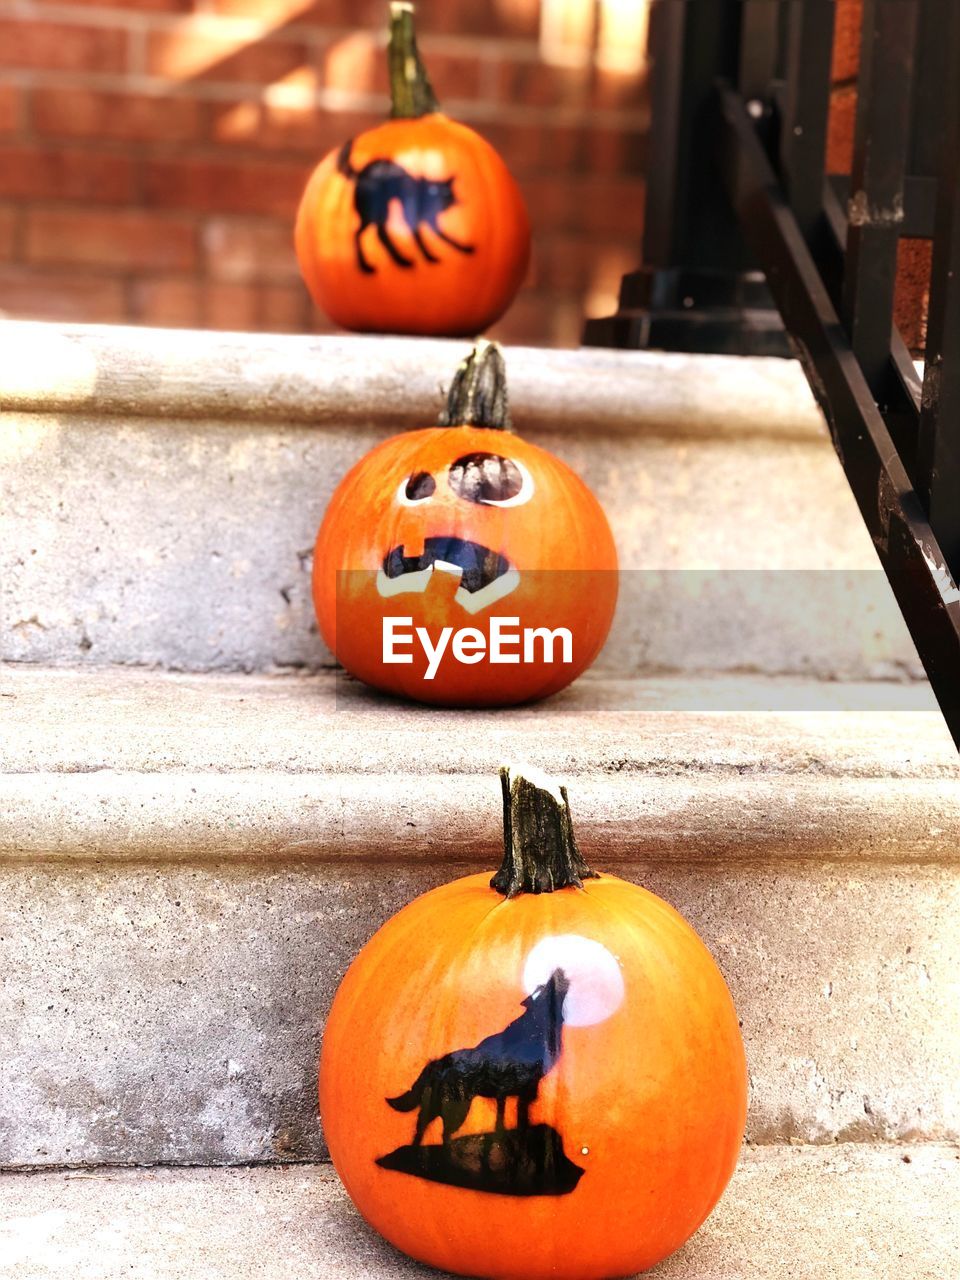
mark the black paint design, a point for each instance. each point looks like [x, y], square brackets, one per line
[421, 199]
[480, 565]
[528, 1160]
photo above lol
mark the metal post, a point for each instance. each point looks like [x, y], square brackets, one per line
[939, 444]
[698, 289]
[876, 208]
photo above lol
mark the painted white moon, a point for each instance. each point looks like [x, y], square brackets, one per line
[594, 974]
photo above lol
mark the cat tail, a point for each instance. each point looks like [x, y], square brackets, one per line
[343, 160]
[410, 1100]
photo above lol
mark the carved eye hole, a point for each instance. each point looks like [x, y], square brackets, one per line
[491, 480]
[417, 488]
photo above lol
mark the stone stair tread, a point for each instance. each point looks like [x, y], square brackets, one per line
[128, 762]
[849, 1212]
[332, 379]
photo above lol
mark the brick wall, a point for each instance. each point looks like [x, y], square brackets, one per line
[913, 256]
[152, 152]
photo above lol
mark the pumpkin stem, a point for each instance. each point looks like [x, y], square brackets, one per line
[540, 851]
[411, 93]
[478, 393]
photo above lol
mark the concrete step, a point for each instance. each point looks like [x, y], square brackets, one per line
[874, 1212]
[162, 491]
[189, 863]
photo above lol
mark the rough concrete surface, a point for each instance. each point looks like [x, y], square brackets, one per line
[138, 532]
[800, 1213]
[392, 382]
[129, 764]
[173, 1013]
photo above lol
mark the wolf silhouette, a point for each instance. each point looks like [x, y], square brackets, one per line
[509, 1064]
[421, 199]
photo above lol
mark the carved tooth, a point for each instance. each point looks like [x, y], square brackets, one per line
[418, 580]
[446, 567]
[474, 601]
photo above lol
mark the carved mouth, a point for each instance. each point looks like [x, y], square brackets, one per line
[485, 575]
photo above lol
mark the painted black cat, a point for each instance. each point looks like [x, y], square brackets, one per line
[421, 199]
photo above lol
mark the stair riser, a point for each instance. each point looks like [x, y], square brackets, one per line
[188, 545]
[878, 1212]
[172, 1012]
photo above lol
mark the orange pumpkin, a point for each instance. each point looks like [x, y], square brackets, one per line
[539, 1075]
[415, 226]
[464, 534]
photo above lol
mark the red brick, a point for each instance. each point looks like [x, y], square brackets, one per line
[841, 123]
[189, 55]
[609, 264]
[176, 302]
[912, 295]
[355, 63]
[616, 151]
[90, 113]
[566, 263]
[535, 84]
[276, 12]
[247, 252]
[284, 308]
[548, 149]
[599, 206]
[53, 174]
[318, 322]
[54, 46]
[269, 127]
[8, 234]
[9, 108]
[579, 265]
[521, 147]
[147, 6]
[847, 21]
[620, 90]
[612, 206]
[29, 294]
[216, 187]
[512, 19]
[454, 77]
[230, 306]
[508, 18]
[113, 241]
[537, 318]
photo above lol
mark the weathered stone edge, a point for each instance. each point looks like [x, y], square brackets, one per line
[389, 381]
[454, 818]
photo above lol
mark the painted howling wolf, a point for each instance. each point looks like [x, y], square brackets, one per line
[421, 200]
[509, 1064]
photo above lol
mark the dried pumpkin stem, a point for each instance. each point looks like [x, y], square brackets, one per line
[411, 93]
[540, 851]
[478, 393]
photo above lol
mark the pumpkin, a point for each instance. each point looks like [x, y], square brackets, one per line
[538, 1075]
[467, 532]
[415, 226]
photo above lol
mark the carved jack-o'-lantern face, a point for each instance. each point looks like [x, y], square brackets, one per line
[485, 573]
[455, 527]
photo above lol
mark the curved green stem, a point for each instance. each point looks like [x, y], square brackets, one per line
[540, 851]
[411, 93]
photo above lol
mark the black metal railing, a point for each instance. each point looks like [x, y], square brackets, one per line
[749, 243]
